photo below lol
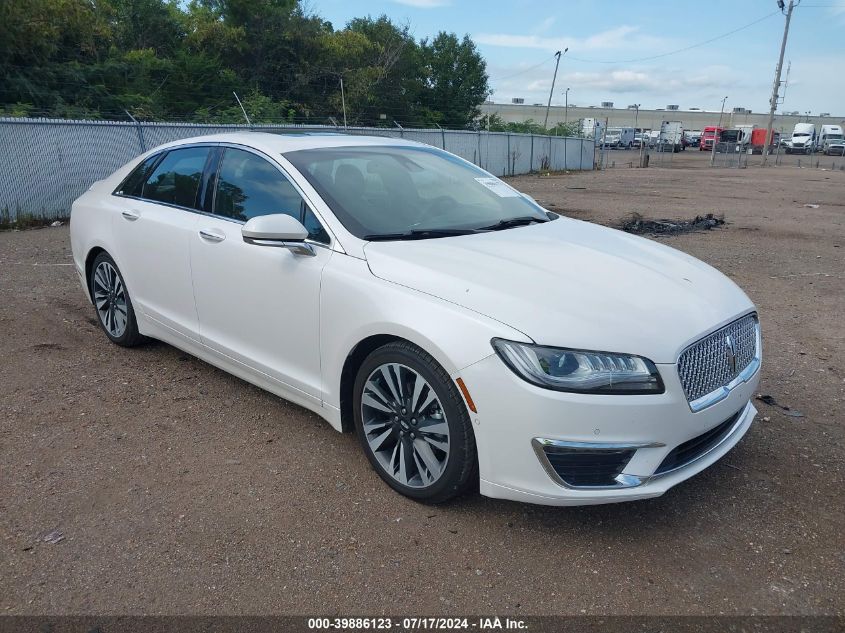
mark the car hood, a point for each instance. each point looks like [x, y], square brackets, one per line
[569, 283]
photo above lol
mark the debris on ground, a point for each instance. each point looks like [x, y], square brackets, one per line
[54, 537]
[770, 400]
[636, 223]
[57, 223]
[811, 206]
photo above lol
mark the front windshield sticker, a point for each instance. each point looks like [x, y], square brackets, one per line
[499, 188]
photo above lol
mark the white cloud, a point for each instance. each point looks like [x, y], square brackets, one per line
[653, 86]
[423, 4]
[654, 82]
[619, 37]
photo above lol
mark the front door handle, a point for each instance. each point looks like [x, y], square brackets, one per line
[130, 215]
[212, 235]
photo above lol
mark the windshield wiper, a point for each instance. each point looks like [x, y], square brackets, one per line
[418, 234]
[512, 222]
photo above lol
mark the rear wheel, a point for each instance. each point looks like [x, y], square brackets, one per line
[112, 303]
[413, 424]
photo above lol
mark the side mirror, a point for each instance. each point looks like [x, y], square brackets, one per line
[278, 230]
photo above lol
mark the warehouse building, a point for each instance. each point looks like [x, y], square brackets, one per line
[693, 119]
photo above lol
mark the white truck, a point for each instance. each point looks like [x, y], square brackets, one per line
[831, 140]
[745, 135]
[671, 137]
[803, 139]
[592, 128]
[619, 137]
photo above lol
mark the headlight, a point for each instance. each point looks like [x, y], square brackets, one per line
[580, 371]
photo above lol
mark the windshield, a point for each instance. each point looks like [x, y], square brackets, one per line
[385, 191]
[799, 134]
[835, 137]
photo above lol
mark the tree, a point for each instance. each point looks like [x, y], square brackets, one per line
[455, 77]
[397, 81]
[165, 59]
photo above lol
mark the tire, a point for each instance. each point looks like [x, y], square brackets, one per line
[106, 285]
[441, 461]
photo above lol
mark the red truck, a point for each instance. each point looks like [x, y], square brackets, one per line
[758, 140]
[708, 136]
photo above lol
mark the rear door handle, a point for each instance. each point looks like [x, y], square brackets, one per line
[130, 215]
[212, 235]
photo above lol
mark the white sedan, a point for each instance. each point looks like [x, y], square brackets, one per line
[468, 336]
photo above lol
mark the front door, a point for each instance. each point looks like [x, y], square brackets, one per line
[259, 305]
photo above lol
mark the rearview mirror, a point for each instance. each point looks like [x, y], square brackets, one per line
[278, 230]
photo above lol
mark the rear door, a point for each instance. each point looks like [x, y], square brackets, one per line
[154, 220]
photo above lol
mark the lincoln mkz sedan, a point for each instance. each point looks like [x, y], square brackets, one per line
[468, 336]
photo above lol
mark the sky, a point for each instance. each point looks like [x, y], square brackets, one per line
[610, 42]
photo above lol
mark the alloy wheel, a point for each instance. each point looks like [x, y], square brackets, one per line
[404, 425]
[110, 299]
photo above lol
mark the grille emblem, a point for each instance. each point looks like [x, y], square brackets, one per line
[730, 353]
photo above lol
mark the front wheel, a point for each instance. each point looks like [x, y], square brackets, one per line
[413, 424]
[112, 303]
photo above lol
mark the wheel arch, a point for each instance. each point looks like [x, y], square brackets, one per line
[89, 265]
[353, 362]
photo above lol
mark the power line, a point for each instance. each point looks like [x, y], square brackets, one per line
[524, 70]
[679, 50]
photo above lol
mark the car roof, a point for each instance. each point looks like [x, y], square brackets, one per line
[271, 143]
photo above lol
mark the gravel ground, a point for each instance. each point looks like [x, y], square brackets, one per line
[174, 488]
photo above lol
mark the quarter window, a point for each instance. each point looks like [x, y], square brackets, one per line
[177, 177]
[134, 183]
[249, 186]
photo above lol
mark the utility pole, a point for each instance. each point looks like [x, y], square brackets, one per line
[773, 103]
[636, 116]
[722, 111]
[558, 55]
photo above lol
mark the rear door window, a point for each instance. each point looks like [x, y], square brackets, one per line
[176, 179]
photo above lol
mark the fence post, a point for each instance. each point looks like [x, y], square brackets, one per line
[443, 135]
[565, 160]
[508, 167]
[531, 157]
[141, 140]
[479, 149]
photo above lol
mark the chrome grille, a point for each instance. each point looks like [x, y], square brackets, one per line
[706, 365]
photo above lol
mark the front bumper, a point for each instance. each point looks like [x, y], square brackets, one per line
[516, 421]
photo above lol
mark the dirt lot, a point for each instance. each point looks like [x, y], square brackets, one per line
[180, 489]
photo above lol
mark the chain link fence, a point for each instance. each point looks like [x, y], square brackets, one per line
[47, 163]
[733, 155]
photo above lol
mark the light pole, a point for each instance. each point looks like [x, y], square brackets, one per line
[773, 103]
[566, 108]
[552, 91]
[722, 111]
[636, 115]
